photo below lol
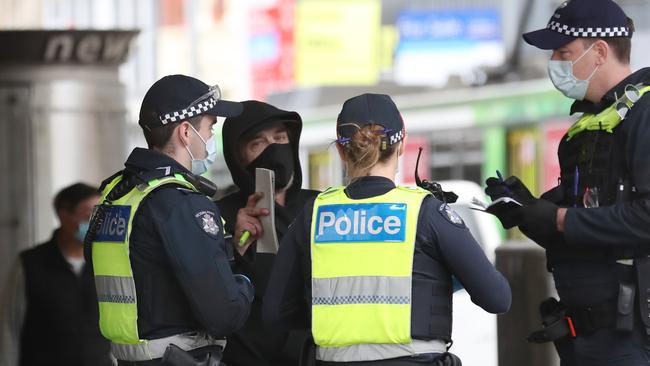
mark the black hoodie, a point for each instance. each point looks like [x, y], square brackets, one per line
[255, 345]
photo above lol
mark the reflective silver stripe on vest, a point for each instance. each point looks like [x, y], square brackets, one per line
[155, 348]
[361, 290]
[115, 289]
[373, 352]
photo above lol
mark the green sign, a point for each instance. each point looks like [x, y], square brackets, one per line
[521, 109]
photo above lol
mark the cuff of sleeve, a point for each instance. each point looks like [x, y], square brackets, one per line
[246, 285]
[244, 277]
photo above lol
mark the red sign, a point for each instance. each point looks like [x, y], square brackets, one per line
[272, 47]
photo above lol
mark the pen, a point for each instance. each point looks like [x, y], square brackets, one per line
[244, 238]
[576, 178]
[500, 176]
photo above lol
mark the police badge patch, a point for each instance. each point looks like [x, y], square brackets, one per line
[450, 215]
[207, 222]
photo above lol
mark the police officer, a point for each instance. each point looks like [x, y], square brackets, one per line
[158, 252]
[594, 225]
[368, 267]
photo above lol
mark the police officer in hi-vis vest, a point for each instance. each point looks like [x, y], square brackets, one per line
[164, 284]
[595, 225]
[368, 267]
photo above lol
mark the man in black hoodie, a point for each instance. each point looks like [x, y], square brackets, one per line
[262, 136]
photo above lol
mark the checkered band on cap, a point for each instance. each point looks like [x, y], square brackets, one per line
[589, 32]
[396, 137]
[393, 138]
[189, 112]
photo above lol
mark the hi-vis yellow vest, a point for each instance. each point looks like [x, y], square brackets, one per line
[362, 263]
[606, 120]
[118, 311]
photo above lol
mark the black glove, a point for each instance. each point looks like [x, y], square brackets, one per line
[509, 215]
[538, 221]
[511, 187]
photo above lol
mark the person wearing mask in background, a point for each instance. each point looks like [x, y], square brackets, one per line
[262, 136]
[595, 225]
[49, 312]
[368, 266]
[164, 283]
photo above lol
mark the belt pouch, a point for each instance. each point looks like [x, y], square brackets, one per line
[625, 307]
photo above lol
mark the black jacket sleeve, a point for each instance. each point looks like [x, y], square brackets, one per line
[285, 303]
[192, 234]
[624, 224]
[453, 243]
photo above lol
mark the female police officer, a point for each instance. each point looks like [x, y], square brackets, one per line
[368, 266]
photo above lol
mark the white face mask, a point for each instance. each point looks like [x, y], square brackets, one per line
[562, 77]
[200, 166]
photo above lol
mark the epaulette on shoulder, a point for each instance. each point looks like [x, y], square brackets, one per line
[186, 190]
[414, 189]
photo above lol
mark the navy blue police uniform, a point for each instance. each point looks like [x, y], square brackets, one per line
[605, 186]
[178, 253]
[181, 287]
[443, 247]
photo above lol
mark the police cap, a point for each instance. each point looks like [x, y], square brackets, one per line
[581, 19]
[176, 98]
[368, 109]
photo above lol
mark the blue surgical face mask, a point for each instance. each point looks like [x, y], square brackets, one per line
[200, 166]
[562, 77]
[82, 230]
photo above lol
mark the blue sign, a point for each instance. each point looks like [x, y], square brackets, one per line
[362, 222]
[115, 226]
[435, 44]
[448, 28]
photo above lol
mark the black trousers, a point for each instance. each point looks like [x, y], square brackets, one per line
[199, 354]
[606, 347]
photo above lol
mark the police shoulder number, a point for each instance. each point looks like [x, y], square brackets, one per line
[450, 215]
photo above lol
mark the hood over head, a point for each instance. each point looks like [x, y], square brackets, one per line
[255, 117]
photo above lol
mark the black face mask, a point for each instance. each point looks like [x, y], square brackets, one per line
[276, 157]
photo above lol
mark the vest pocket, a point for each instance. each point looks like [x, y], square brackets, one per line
[431, 310]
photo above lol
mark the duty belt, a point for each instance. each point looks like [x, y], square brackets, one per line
[560, 322]
[155, 348]
[591, 318]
